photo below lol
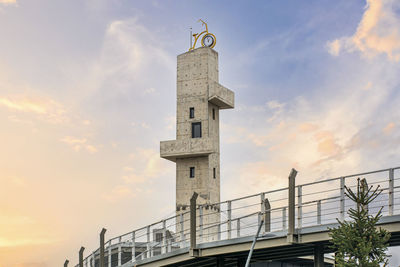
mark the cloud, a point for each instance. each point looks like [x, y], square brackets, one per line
[119, 192]
[44, 108]
[377, 33]
[8, 2]
[18, 242]
[78, 143]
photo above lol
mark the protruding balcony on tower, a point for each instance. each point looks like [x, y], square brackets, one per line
[220, 96]
[195, 147]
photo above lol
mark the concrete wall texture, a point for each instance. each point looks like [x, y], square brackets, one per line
[198, 88]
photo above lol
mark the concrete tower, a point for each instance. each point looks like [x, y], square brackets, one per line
[196, 148]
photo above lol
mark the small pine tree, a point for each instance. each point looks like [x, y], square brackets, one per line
[359, 242]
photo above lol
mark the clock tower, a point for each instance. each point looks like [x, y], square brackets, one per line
[196, 150]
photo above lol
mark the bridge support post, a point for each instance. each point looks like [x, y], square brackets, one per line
[66, 263]
[81, 256]
[241, 262]
[291, 206]
[318, 256]
[193, 251]
[101, 259]
[220, 262]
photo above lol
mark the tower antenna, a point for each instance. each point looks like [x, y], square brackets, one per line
[191, 37]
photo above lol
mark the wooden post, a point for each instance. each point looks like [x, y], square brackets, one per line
[291, 205]
[101, 259]
[81, 256]
[193, 220]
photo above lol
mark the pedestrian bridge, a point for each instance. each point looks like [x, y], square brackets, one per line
[294, 223]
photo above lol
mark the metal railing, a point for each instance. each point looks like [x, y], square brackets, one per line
[317, 203]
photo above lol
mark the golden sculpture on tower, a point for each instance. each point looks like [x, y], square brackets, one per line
[208, 39]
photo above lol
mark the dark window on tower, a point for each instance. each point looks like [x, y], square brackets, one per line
[196, 129]
[214, 173]
[191, 113]
[213, 113]
[191, 175]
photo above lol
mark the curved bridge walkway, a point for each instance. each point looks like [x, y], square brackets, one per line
[295, 222]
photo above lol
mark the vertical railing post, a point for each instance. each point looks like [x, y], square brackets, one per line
[66, 263]
[109, 253]
[182, 230]
[133, 247]
[193, 219]
[262, 208]
[391, 191]
[284, 218]
[291, 205]
[119, 251]
[219, 231]
[201, 223]
[229, 226]
[238, 227]
[267, 216]
[299, 206]
[164, 239]
[148, 255]
[81, 256]
[101, 256]
[319, 212]
[94, 259]
[342, 199]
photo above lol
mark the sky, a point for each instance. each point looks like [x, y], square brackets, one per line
[88, 90]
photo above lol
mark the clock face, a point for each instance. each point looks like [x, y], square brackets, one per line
[208, 40]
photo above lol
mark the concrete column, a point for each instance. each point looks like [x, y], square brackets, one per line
[81, 256]
[66, 263]
[101, 259]
[291, 205]
[318, 256]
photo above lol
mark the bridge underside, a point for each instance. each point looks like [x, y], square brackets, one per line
[272, 247]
